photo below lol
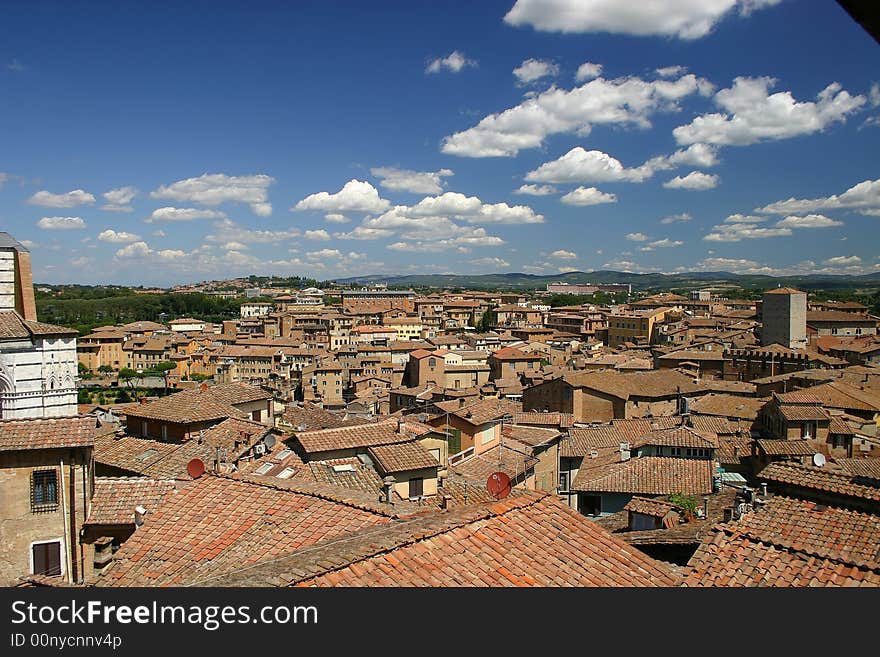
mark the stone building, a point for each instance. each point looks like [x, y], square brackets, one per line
[784, 318]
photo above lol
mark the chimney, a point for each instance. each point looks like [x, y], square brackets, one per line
[764, 489]
[445, 500]
[139, 513]
[388, 486]
[706, 507]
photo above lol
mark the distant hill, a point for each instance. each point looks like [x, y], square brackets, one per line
[519, 281]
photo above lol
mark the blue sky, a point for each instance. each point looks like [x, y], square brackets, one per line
[150, 144]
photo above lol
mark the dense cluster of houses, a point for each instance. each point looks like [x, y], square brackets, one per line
[663, 443]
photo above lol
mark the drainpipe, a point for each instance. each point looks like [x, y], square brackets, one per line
[67, 555]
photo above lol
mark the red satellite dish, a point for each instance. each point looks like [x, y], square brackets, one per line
[195, 468]
[498, 485]
[203, 387]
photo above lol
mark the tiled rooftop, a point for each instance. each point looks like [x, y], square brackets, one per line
[523, 540]
[648, 475]
[402, 457]
[115, 498]
[818, 479]
[363, 435]
[46, 433]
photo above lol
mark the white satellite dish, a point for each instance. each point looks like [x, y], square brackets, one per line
[269, 441]
[818, 460]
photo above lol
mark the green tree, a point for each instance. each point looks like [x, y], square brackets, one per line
[83, 396]
[163, 369]
[105, 369]
[128, 375]
[123, 397]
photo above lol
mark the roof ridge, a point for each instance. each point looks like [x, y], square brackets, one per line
[353, 426]
[464, 515]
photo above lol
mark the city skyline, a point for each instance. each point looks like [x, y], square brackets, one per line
[343, 141]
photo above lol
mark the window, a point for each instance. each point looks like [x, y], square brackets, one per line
[46, 558]
[416, 487]
[44, 491]
[563, 482]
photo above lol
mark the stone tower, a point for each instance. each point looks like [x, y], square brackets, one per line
[784, 318]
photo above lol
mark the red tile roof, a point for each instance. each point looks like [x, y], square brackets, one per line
[362, 435]
[647, 506]
[216, 526]
[115, 498]
[648, 475]
[523, 540]
[47, 433]
[791, 542]
[402, 457]
[818, 479]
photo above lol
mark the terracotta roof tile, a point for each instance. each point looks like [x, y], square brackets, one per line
[649, 507]
[648, 475]
[363, 435]
[524, 540]
[783, 447]
[818, 479]
[402, 457]
[47, 433]
[115, 498]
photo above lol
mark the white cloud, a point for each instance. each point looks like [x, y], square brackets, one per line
[229, 231]
[695, 180]
[671, 71]
[536, 190]
[216, 188]
[622, 265]
[745, 231]
[134, 250]
[698, 155]
[734, 265]
[754, 115]
[336, 218]
[562, 254]
[317, 235]
[582, 166]
[415, 182]
[115, 237]
[490, 262]
[229, 246]
[119, 199]
[665, 243]
[685, 19]
[842, 260]
[454, 62]
[864, 196]
[623, 101]
[535, 69]
[470, 237]
[744, 219]
[61, 223]
[588, 71]
[81, 261]
[355, 196]
[159, 233]
[588, 196]
[66, 200]
[364, 233]
[501, 213]
[676, 218]
[637, 237]
[182, 214]
[324, 254]
[808, 221]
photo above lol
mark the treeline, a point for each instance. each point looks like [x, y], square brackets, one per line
[597, 298]
[85, 313]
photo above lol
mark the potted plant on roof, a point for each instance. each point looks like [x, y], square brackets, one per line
[687, 503]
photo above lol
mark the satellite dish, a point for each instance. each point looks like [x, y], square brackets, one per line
[498, 485]
[818, 460]
[203, 387]
[269, 441]
[195, 468]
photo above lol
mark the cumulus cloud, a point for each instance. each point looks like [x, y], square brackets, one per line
[364, 233]
[863, 197]
[744, 219]
[838, 261]
[685, 19]
[734, 265]
[665, 243]
[752, 114]
[120, 237]
[582, 166]
[535, 69]
[355, 196]
[536, 190]
[336, 218]
[736, 232]
[454, 62]
[622, 265]
[134, 250]
[67, 200]
[808, 221]
[671, 71]
[415, 182]
[61, 223]
[227, 230]
[119, 199]
[562, 254]
[622, 101]
[491, 262]
[587, 71]
[317, 235]
[215, 188]
[637, 237]
[182, 214]
[583, 196]
[695, 180]
[676, 218]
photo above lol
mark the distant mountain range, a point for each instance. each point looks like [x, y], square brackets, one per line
[648, 281]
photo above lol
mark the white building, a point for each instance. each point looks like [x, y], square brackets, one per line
[255, 309]
[38, 363]
[187, 325]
